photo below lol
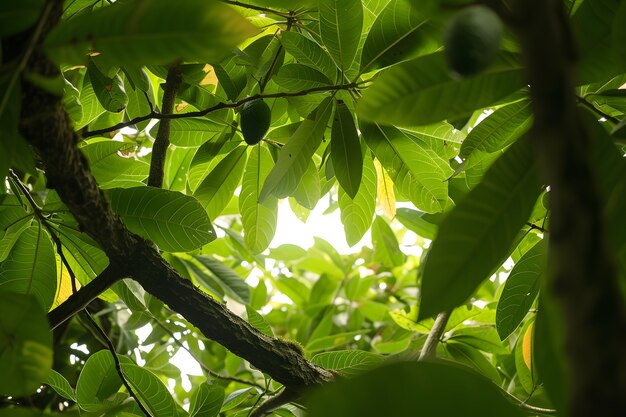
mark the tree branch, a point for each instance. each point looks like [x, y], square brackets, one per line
[219, 106]
[162, 140]
[46, 126]
[80, 299]
[583, 278]
[429, 350]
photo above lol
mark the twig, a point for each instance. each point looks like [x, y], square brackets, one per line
[531, 408]
[43, 219]
[202, 365]
[160, 116]
[118, 366]
[429, 350]
[162, 141]
[79, 300]
[274, 402]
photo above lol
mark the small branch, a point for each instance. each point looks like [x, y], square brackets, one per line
[531, 408]
[79, 300]
[202, 365]
[274, 402]
[118, 366]
[218, 106]
[429, 350]
[533, 226]
[162, 141]
[44, 220]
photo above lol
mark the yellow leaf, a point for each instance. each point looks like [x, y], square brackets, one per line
[64, 284]
[385, 197]
[527, 345]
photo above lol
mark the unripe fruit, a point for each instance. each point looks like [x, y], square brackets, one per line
[255, 120]
[472, 39]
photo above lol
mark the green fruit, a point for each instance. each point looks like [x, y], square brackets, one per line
[472, 39]
[255, 121]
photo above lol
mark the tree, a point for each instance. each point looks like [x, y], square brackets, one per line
[131, 198]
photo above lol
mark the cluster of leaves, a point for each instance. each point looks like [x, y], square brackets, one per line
[364, 111]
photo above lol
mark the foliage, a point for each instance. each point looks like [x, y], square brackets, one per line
[367, 120]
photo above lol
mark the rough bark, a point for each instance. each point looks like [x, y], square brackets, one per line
[46, 126]
[582, 276]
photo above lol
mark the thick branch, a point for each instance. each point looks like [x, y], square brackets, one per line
[46, 126]
[282, 360]
[429, 350]
[583, 278]
[162, 140]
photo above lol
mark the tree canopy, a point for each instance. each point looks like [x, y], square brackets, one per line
[147, 145]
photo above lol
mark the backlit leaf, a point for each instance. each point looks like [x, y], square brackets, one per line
[475, 238]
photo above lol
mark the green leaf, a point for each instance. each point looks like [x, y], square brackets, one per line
[482, 338]
[259, 220]
[107, 165]
[498, 130]
[333, 341]
[419, 173]
[597, 25]
[232, 284]
[192, 131]
[470, 356]
[476, 236]
[345, 151]
[177, 163]
[206, 401]
[30, 267]
[295, 77]
[90, 260]
[98, 381]
[341, 22]
[151, 391]
[396, 35]
[174, 221]
[12, 233]
[422, 91]
[258, 322]
[109, 91]
[91, 107]
[308, 52]
[357, 212]
[413, 220]
[16, 16]
[348, 362]
[26, 340]
[295, 157]
[413, 388]
[308, 192]
[520, 289]
[58, 382]
[131, 32]
[386, 248]
[218, 188]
